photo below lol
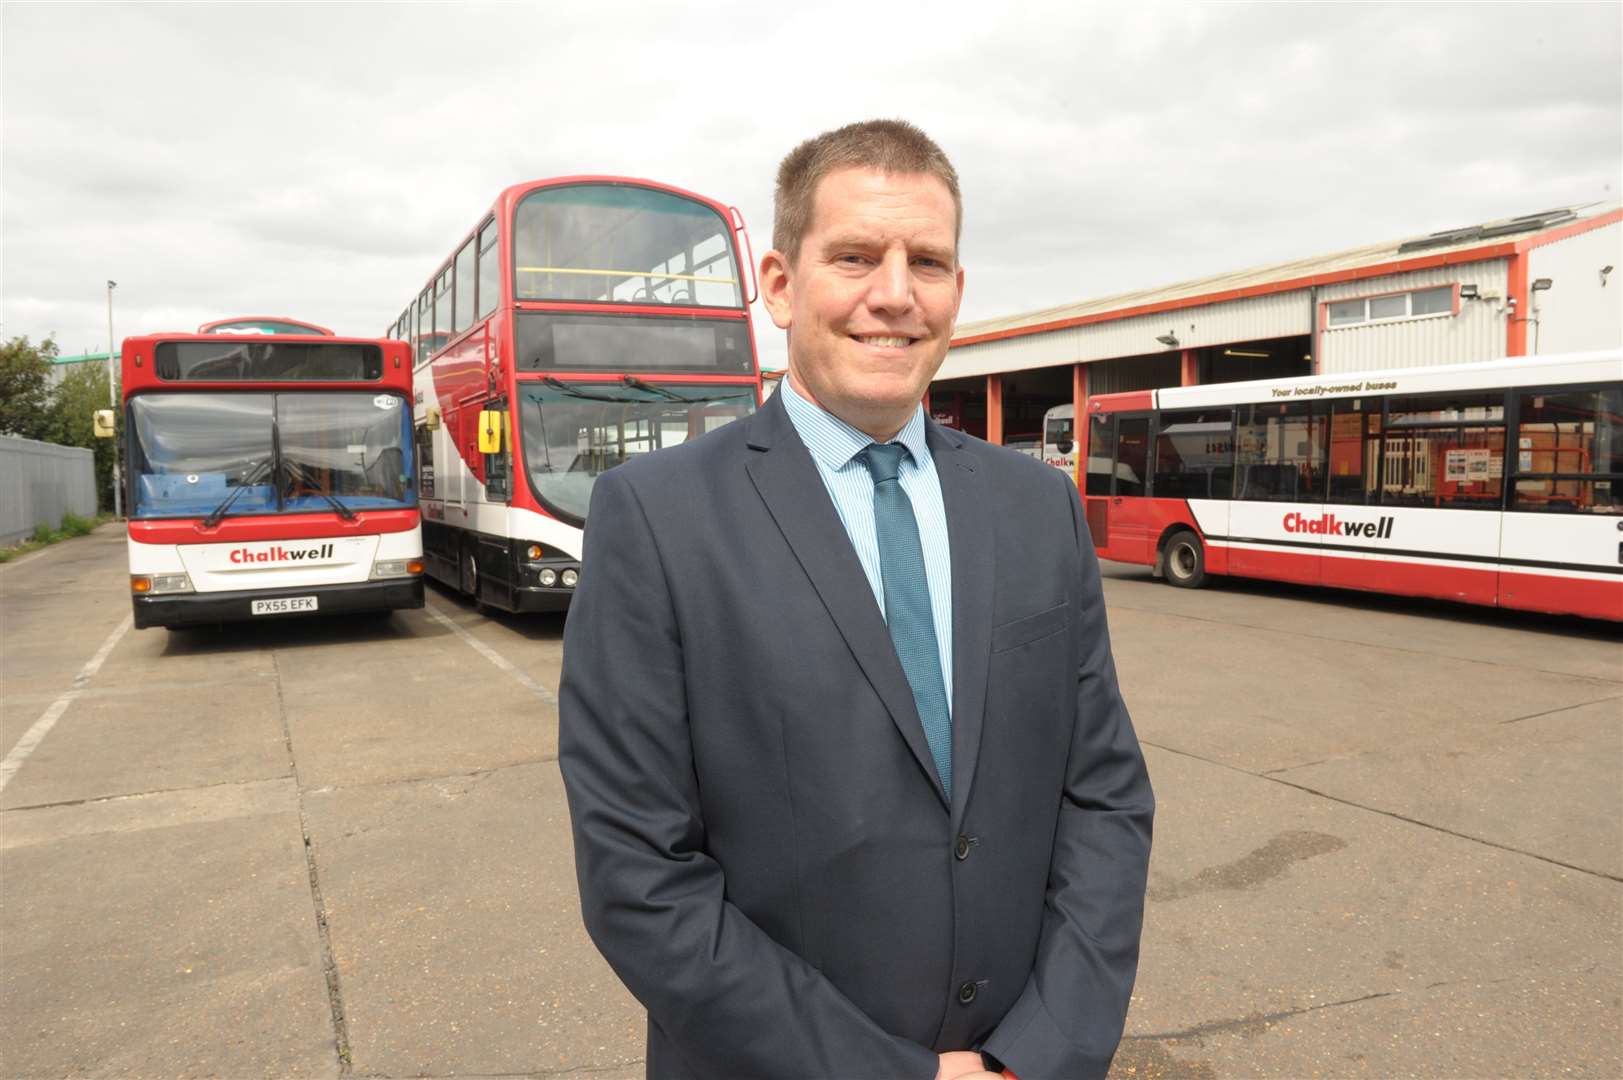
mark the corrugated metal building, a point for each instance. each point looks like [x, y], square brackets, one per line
[1540, 283]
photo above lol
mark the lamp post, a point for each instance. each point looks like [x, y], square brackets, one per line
[112, 399]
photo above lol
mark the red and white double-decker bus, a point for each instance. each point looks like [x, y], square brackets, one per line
[581, 321]
[1492, 483]
[269, 474]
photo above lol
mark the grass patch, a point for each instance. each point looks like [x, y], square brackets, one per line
[72, 525]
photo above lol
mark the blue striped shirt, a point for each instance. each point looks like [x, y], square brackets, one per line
[834, 446]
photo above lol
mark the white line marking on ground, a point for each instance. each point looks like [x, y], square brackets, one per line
[493, 656]
[24, 560]
[42, 727]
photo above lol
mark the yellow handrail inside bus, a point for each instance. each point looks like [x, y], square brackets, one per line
[624, 273]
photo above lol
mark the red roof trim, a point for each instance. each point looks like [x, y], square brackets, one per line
[1570, 229]
[1400, 266]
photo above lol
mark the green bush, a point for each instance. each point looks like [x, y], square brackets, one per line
[44, 534]
[74, 525]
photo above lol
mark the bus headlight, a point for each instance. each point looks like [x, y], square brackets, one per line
[548, 577]
[157, 584]
[570, 577]
[533, 553]
[393, 568]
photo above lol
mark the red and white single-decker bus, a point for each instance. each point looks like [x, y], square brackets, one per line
[1492, 483]
[269, 474]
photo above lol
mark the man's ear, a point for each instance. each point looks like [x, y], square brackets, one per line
[777, 293]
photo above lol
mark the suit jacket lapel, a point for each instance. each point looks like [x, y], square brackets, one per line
[783, 472]
[969, 528]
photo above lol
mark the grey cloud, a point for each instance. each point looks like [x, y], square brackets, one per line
[319, 160]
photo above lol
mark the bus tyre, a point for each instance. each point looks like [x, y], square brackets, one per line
[469, 578]
[1185, 560]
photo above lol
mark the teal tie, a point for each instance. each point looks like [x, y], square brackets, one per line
[907, 601]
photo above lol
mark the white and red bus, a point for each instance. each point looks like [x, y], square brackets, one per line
[269, 475]
[1492, 483]
[581, 321]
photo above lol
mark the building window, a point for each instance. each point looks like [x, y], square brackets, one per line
[1390, 307]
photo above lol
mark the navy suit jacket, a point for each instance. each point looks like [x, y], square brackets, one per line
[765, 853]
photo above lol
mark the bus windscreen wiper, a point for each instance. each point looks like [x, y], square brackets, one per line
[650, 388]
[295, 471]
[249, 479]
[577, 392]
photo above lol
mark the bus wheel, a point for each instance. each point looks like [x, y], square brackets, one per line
[1185, 560]
[469, 583]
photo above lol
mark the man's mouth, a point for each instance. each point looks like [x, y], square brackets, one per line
[884, 341]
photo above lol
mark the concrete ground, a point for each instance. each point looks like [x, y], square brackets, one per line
[1390, 841]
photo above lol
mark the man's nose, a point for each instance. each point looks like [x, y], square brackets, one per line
[890, 287]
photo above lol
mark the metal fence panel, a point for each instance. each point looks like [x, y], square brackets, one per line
[39, 482]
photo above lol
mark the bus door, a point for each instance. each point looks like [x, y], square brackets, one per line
[1119, 516]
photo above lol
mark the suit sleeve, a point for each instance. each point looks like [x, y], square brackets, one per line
[731, 999]
[1069, 1018]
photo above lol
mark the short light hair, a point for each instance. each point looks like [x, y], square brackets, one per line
[892, 147]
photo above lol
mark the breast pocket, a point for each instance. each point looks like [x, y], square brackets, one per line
[1029, 628]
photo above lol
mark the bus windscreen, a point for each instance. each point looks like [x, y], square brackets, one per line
[549, 342]
[241, 361]
[615, 243]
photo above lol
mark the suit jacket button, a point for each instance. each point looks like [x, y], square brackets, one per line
[966, 993]
[961, 849]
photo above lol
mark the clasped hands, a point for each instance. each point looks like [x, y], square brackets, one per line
[963, 1065]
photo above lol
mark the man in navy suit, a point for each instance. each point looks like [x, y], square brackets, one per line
[854, 793]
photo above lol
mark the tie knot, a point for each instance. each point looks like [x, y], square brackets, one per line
[884, 460]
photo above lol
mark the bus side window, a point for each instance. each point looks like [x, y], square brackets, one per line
[425, 462]
[1355, 448]
[1279, 452]
[1444, 450]
[1569, 451]
[1194, 454]
[1101, 452]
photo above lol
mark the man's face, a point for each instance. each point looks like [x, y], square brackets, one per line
[871, 299]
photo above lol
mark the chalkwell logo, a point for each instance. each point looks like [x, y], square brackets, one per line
[1330, 525]
[279, 554]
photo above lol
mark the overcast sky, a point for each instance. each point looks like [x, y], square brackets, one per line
[319, 160]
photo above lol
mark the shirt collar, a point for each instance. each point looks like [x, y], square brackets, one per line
[833, 442]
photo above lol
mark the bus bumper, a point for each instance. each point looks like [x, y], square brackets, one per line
[538, 599]
[192, 609]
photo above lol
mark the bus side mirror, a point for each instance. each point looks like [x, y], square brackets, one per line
[490, 431]
[104, 423]
[431, 419]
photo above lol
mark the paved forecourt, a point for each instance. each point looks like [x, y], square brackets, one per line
[1389, 840]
